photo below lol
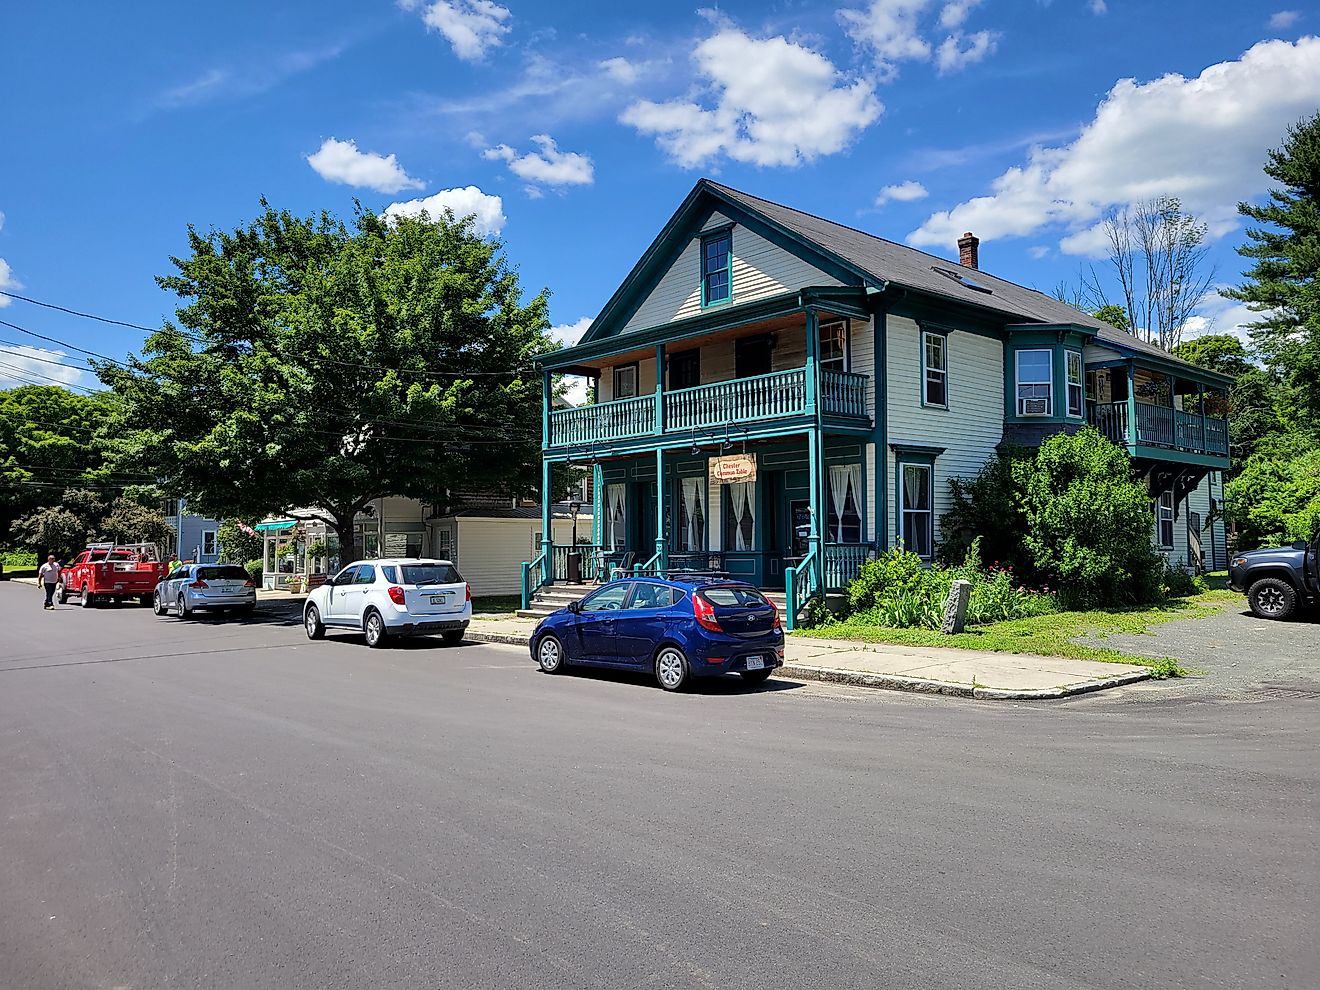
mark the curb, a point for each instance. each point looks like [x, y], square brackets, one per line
[503, 639]
[893, 682]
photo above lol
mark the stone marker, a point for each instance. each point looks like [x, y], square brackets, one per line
[955, 609]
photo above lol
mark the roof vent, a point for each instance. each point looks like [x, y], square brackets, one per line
[961, 279]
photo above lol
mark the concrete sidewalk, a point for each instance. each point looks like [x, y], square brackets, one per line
[958, 673]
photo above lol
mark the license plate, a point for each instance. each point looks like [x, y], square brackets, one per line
[439, 599]
[755, 663]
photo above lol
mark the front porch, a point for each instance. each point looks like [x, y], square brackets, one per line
[1159, 416]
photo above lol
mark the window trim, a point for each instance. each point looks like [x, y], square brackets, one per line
[637, 381]
[215, 542]
[925, 369]
[847, 344]
[706, 238]
[901, 501]
[1018, 383]
[1161, 519]
[1068, 385]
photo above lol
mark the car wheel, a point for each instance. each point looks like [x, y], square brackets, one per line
[1272, 598]
[157, 605]
[756, 676]
[313, 624]
[61, 593]
[452, 638]
[181, 607]
[85, 597]
[671, 669]
[373, 627]
[550, 654]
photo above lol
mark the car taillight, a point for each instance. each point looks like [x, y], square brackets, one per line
[704, 612]
[198, 585]
[468, 588]
[249, 583]
[396, 594]
[778, 625]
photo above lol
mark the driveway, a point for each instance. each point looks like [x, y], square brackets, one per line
[1237, 655]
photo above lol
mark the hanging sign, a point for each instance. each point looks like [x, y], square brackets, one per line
[733, 468]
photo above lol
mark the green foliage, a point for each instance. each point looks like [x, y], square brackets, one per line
[18, 558]
[1178, 582]
[1114, 315]
[55, 529]
[1219, 352]
[1283, 284]
[255, 569]
[318, 365]
[129, 521]
[1089, 523]
[237, 546]
[51, 439]
[84, 517]
[1275, 498]
[988, 509]
[893, 574]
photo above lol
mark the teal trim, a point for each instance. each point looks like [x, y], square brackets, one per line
[922, 332]
[1215, 461]
[547, 534]
[922, 457]
[1168, 365]
[597, 498]
[880, 327]
[1081, 364]
[275, 524]
[708, 237]
[813, 363]
[547, 403]
[659, 389]
[1131, 406]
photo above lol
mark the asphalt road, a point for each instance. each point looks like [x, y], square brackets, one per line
[213, 804]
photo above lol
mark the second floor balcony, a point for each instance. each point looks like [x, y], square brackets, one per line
[1161, 427]
[781, 395]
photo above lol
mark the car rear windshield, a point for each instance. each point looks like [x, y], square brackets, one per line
[222, 573]
[424, 574]
[734, 597]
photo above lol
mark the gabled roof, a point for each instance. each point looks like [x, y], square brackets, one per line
[906, 266]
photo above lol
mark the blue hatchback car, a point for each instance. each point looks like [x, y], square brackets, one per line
[677, 629]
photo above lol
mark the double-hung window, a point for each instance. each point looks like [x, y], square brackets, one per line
[935, 369]
[208, 543]
[916, 518]
[1035, 383]
[717, 268]
[834, 345]
[1075, 384]
[625, 381]
[1164, 520]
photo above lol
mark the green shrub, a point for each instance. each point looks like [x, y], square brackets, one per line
[988, 510]
[1178, 582]
[890, 575]
[16, 559]
[255, 569]
[236, 545]
[1089, 523]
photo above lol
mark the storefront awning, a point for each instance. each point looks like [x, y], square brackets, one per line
[276, 524]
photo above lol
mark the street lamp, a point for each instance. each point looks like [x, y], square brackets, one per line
[574, 508]
[574, 560]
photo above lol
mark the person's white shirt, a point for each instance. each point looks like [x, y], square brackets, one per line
[49, 573]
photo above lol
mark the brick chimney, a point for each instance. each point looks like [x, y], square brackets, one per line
[969, 251]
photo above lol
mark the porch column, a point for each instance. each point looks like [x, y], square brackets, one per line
[1200, 402]
[816, 505]
[813, 363]
[597, 496]
[659, 389]
[547, 536]
[1132, 404]
[661, 542]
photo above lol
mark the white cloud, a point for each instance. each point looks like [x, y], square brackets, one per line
[774, 103]
[1038, 252]
[893, 31]
[1202, 140]
[250, 77]
[954, 14]
[903, 192]
[573, 388]
[1219, 315]
[958, 51]
[472, 27]
[340, 161]
[7, 280]
[1099, 7]
[1285, 19]
[25, 365]
[620, 70]
[487, 211]
[569, 334]
[549, 167]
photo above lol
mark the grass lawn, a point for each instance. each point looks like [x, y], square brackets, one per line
[495, 606]
[1056, 635]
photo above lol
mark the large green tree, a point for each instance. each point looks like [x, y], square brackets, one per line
[319, 366]
[1283, 283]
[51, 439]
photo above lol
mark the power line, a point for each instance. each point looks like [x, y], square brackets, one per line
[62, 343]
[74, 312]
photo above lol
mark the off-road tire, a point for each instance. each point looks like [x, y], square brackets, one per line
[1272, 598]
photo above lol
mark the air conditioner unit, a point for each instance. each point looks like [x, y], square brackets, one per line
[1035, 407]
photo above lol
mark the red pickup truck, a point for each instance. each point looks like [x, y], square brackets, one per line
[112, 571]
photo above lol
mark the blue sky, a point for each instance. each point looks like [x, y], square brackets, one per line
[574, 129]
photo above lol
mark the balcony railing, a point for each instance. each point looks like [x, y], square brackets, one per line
[742, 400]
[1161, 426]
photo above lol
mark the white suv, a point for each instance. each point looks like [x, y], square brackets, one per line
[392, 597]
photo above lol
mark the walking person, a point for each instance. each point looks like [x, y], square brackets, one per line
[49, 576]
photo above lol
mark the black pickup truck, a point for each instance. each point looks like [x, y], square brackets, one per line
[1279, 580]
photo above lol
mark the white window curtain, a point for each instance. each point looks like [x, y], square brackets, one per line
[615, 530]
[845, 480]
[742, 505]
[694, 514]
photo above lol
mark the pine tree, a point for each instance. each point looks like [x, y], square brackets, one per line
[1284, 282]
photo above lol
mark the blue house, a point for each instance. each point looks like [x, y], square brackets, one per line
[196, 538]
[778, 396]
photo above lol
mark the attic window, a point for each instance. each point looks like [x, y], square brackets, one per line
[961, 279]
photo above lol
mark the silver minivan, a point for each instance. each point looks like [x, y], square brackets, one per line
[205, 587]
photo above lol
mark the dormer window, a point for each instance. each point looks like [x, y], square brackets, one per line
[717, 268]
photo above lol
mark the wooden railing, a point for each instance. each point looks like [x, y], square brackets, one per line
[742, 400]
[590, 555]
[799, 588]
[843, 561]
[1161, 426]
[533, 577]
